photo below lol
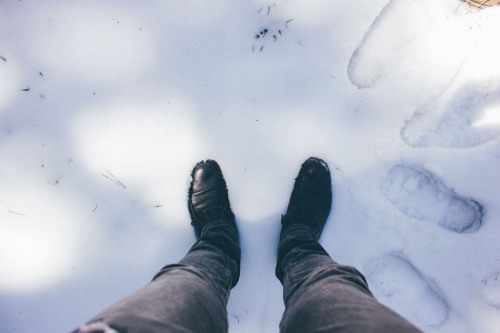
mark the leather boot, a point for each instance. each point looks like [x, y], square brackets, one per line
[208, 198]
[311, 198]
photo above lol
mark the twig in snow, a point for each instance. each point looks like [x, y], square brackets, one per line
[114, 180]
[3, 58]
[17, 213]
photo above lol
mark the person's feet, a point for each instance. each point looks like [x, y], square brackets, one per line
[208, 198]
[311, 198]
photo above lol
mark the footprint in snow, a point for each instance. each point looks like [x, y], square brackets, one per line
[400, 22]
[422, 195]
[395, 277]
[460, 117]
[491, 290]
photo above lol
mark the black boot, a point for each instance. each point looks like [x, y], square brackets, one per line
[311, 198]
[208, 199]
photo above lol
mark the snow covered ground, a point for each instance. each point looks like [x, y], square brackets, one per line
[105, 107]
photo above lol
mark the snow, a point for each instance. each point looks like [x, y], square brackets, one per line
[418, 194]
[105, 108]
[394, 277]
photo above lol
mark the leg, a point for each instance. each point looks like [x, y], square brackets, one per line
[319, 294]
[190, 296]
[323, 296]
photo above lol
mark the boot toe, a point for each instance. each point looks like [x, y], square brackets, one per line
[206, 175]
[316, 175]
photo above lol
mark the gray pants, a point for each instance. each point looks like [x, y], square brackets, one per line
[191, 296]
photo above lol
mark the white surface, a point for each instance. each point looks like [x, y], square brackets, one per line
[135, 93]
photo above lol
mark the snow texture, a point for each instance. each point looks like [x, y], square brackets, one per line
[400, 22]
[106, 106]
[427, 304]
[456, 119]
[491, 290]
[420, 194]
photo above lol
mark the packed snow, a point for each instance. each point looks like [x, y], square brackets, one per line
[395, 277]
[105, 108]
[420, 195]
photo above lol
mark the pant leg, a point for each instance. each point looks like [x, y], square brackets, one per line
[190, 296]
[323, 296]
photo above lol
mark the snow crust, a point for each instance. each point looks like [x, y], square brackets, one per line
[105, 108]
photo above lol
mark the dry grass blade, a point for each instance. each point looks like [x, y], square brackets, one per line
[17, 213]
[113, 179]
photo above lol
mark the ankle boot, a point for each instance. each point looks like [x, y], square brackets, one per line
[311, 198]
[208, 198]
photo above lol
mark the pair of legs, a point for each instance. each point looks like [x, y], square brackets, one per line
[191, 296]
